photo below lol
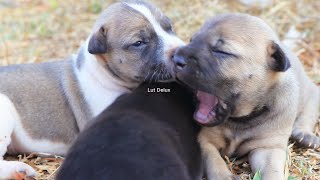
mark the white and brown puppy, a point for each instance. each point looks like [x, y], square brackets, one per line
[44, 106]
[253, 89]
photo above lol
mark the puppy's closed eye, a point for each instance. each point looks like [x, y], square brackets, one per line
[221, 53]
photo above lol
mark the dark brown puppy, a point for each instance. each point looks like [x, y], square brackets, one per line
[254, 88]
[143, 135]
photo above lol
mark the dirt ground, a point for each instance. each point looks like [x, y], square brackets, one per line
[33, 31]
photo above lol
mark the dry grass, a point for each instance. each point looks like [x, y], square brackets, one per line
[40, 30]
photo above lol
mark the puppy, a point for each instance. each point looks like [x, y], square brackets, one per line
[148, 134]
[44, 106]
[253, 89]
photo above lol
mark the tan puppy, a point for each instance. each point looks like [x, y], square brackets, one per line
[253, 89]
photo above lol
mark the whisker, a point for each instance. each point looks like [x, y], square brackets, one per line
[157, 75]
[153, 75]
[155, 72]
[145, 78]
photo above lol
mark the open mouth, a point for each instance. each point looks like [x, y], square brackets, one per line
[211, 110]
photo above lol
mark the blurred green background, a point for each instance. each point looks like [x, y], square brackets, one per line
[38, 30]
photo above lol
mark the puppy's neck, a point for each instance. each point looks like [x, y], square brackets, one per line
[97, 85]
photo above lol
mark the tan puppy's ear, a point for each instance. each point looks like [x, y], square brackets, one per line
[279, 61]
[98, 42]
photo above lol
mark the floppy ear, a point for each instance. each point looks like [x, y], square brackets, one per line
[280, 62]
[98, 42]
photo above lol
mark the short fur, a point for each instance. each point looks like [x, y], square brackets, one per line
[142, 135]
[44, 106]
[239, 59]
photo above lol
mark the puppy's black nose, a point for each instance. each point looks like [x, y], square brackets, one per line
[179, 61]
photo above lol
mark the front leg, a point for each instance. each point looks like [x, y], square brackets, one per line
[215, 166]
[270, 162]
[8, 119]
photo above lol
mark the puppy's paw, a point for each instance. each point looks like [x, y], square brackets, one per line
[306, 139]
[16, 170]
[23, 175]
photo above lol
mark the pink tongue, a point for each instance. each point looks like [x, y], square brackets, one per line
[207, 103]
